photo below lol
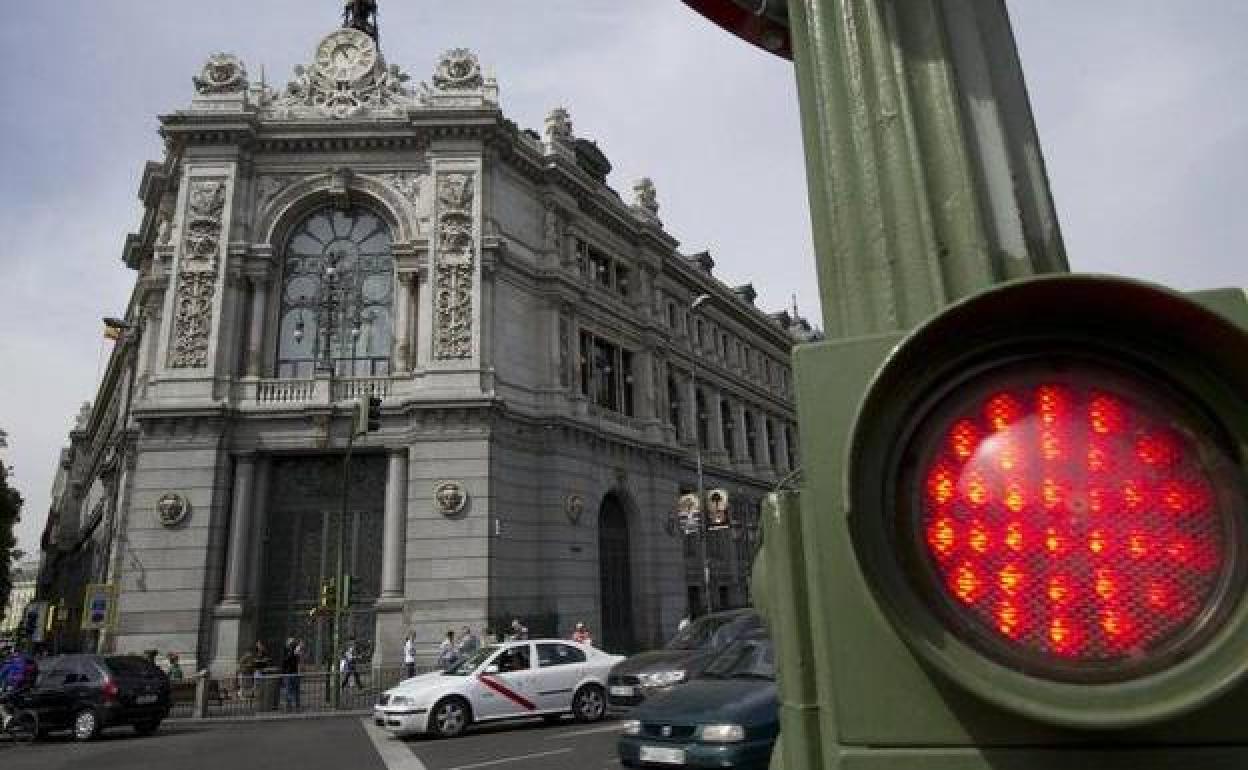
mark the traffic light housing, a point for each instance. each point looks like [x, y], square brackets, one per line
[890, 657]
[329, 595]
[366, 415]
[373, 422]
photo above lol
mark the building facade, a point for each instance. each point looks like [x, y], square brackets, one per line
[21, 593]
[548, 380]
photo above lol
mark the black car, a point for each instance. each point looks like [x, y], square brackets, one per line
[88, 693]
[649, 673]
[727, 717]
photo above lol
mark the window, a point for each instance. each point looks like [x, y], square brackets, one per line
[790, 437]
[622, 277]
[360, 334]
[674, 399]
[771, 441]
[551, 654]
[704, 419]
[671, 315]
[600, 268]
[751, 436]
[725, 418]
[606, 374]
[513, 659]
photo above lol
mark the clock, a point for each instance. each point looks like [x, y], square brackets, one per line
[346, 56]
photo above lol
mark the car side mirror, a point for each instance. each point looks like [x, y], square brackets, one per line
[491, 669]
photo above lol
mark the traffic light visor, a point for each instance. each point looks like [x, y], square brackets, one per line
[1047, 496]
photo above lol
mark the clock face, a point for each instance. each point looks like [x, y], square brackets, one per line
[346, 55]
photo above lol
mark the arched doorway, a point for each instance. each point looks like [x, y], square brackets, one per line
[615, 576]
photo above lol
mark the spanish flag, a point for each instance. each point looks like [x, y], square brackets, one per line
[112, 333]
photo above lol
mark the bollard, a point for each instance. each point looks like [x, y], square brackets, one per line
[199, 709]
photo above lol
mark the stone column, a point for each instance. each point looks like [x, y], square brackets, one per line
[783, 462]
[402, 321]
[255, 333]
[715, 442]
[395, 532]
[259, 527]
[240, 528]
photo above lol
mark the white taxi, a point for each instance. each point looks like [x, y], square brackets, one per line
[536, 677]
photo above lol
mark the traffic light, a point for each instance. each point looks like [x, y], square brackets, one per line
[366, 415]
[1022, 539]
[328, 593]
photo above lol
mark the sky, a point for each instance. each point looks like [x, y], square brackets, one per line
[1140, 105]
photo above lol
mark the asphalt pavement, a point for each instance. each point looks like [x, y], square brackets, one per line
[325, 743]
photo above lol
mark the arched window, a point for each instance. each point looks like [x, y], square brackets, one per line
[357, 338]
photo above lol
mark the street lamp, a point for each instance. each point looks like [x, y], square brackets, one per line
[694, 306]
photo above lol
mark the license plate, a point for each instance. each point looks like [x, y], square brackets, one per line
[662, 756]
[143, 700]
[623, 691]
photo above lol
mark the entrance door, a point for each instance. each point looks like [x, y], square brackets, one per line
[615, 577]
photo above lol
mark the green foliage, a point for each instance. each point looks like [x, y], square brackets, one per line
[10, 508]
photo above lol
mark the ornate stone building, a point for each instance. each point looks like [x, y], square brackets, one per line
[532, 337]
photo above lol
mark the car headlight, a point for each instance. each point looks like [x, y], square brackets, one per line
[632, 727]
[401, 701]
[721, 733]
[662, 678]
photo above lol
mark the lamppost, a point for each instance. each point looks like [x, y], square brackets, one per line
[336, 297]
[703, 530]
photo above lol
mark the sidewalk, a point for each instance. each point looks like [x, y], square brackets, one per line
[269, 716]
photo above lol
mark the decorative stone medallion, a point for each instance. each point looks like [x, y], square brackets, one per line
[450, 497]
[223, 73]
[458, 70]
[346, 56]
[172, 509]
[574, 506]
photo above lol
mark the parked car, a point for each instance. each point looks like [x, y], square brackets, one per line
[539, 677]
[90, 693]
[727, 717]
[649, 673]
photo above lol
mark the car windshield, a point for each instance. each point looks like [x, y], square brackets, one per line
[698, 633]
[468, 665]
[749, 658]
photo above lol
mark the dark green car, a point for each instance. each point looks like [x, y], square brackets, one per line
[727, 717]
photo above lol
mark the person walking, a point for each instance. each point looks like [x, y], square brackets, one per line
[447, 654]
[409, 655]
[519, 631]
[468, 643]
[347, 667]
[262, 661]
[581, 634]
[175, 669]
[292, 657]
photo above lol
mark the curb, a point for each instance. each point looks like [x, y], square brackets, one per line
[274, 717]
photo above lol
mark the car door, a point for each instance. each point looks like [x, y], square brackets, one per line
[51, 694]
[559, 669]
[506, 685]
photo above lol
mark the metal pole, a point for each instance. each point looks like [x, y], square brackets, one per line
[340, 599]
[703, 531]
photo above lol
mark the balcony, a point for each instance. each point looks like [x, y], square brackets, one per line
[275, 392]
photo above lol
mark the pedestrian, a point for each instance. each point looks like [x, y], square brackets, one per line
[292, 657]
[519, 631]
[582, 635]
[468, 643]
[347, 666]
[262, 661]
[409, 655]
[447, 654]
[684, 623]
[175, 670]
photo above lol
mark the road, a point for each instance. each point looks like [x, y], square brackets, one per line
[329, 743]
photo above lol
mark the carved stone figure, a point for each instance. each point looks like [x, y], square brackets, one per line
[458, 70]
[172, 509]
[197, 279]
[453, 277]
[558, 125]
[223, 73]
[192, 320]
[645, 197]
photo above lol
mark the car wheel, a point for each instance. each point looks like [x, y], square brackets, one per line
[450, 717]
[590, 704]
[86, 725]
[147, 728]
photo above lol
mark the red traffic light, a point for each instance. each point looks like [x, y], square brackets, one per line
[1068, 519]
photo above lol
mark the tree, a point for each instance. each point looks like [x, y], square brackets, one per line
[10, 510]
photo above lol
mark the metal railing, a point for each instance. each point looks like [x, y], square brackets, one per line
[269, 694]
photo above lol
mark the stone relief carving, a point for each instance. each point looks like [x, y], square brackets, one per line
[458, 70]
[223, 73]
[407, 183]
[450, 497]
[553, 228]
[268, 186]
[172, 509]
[197, 279]
[453, 279]
[348, 77]
[192, 320]
[565, 350]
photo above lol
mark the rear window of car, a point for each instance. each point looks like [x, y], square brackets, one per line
[130, 667]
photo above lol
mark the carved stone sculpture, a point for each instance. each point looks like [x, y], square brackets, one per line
[348, 77]
[197, 274]
[559, 125]
[645, 197]
[450, 497]
[223, 73]
[456, 245]
[458, 70]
